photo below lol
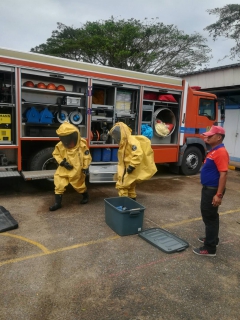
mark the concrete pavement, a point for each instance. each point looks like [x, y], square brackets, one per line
[234, 165]
[70, 265]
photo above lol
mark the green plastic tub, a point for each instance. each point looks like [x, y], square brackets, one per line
[124, 222]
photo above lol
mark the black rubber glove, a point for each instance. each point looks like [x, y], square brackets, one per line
[62, 163]
[65, 164]
[84, 171]
[68, 166]
[130, 169]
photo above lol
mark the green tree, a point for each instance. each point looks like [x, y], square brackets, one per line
[227, 25]
[148, 46]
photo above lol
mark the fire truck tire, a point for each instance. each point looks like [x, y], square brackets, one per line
[43, 160]
[192, 161]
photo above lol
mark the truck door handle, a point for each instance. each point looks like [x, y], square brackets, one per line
[183, 120]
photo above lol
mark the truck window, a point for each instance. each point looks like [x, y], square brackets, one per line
[207, 108]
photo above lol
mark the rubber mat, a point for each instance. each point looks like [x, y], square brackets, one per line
[7, 222]
[163, 240]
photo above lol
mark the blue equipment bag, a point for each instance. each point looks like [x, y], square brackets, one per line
[32, 115]
[46, 116]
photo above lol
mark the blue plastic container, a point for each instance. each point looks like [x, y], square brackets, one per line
[114, 156]
[96, 154]
[106, 154]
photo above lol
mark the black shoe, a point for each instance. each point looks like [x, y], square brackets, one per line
[85, 198]
[202, 240]
[57, 204]
[203, 252]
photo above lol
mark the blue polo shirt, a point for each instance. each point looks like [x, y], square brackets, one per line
[217, 160]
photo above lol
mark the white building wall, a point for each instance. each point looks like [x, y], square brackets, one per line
[216, 78]
[232, 138]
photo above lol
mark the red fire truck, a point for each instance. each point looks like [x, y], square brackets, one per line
[39, 92]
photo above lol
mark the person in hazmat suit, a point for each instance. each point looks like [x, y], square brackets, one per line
[135, 160]
[74, 158]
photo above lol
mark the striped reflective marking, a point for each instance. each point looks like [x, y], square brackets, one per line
[187, 130]
[192, 130]
[202, 130]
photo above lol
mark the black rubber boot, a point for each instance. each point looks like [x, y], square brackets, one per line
[57, 204]
[85, 198]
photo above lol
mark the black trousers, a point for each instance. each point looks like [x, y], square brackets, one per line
[210, 218]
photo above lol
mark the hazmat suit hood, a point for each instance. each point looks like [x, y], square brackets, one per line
[123, 130]
[69, 135]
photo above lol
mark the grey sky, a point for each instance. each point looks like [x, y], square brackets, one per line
[27, 23]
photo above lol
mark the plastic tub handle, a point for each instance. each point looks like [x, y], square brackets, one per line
[135, 212]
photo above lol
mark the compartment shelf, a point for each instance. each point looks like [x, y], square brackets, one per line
[159, 101]
[8, 105]
[59, 92]
[146, 122]
[100, 118]
[97, 142]
[52, 105]
[48, 124]
[101, 106]
[125, 115]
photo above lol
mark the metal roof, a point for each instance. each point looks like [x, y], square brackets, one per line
[234, 65]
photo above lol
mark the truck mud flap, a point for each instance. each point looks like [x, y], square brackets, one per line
[163, 240]
[36, 175]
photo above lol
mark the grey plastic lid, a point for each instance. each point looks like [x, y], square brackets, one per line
[163, 240]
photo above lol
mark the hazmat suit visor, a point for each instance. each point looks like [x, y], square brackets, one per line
[116, 134]
[70, 140]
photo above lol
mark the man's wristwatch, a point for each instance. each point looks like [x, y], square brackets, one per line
[219, 195]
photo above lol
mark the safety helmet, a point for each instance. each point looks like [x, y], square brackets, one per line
[69, 141]
[116, 134]
[51, 86]
[29, 84]
[41, 85]
[61, 88]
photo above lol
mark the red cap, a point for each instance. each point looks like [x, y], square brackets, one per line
[214, 130]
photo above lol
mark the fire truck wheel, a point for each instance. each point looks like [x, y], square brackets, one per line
[43, 160]
[192, 161]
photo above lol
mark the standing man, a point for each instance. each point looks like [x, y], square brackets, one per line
[135, 160]
[213, 180]
[73, 156]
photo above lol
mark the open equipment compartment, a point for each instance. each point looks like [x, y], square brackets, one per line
[7, 106]
[112, 102]
[49, 99]
[164, 111]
